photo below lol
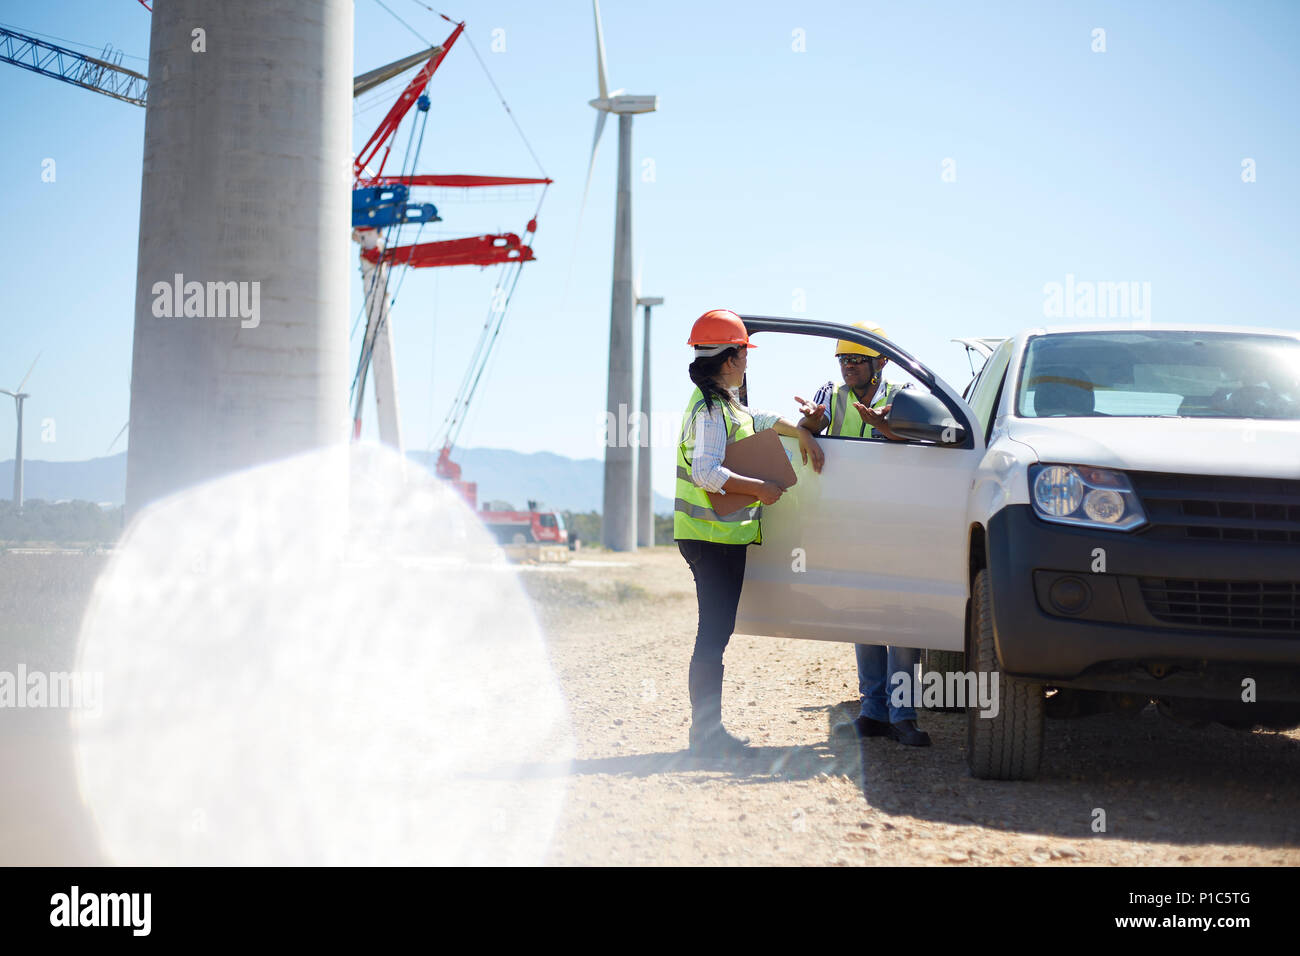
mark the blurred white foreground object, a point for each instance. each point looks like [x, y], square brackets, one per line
[292, 680]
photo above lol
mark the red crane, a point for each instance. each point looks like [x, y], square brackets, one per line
[381, 201]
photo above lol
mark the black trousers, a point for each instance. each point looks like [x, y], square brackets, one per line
[719, 571]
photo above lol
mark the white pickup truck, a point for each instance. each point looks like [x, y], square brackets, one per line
[1110, 517]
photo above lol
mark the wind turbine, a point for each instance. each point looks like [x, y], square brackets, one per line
[18, 395]
[618, 524]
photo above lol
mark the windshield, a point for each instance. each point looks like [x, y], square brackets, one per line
[1148, 373]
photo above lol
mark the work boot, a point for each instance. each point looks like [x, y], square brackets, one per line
[906, 732]
[708, 738]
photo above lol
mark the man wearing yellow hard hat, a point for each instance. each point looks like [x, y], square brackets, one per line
[847, 411]
[857, 409]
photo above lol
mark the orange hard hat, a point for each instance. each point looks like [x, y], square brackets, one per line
[719, 328]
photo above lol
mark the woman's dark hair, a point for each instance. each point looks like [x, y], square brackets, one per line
[705, 370]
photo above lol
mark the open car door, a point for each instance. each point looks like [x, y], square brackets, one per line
[873, 549]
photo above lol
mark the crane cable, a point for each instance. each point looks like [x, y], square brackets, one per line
[483, 352]
[486, 72]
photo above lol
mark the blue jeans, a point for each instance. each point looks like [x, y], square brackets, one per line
[874, 661]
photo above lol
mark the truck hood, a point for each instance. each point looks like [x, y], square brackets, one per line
[1193, 446]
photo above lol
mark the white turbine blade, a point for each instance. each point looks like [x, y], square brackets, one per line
[5, 391]
[636, 283]
[29, 373]
[591, 163]
[600, 54]
[582, 207]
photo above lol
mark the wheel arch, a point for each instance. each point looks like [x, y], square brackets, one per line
[977, 560]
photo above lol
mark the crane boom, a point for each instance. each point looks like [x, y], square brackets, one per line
[89, 72]
[379, 139]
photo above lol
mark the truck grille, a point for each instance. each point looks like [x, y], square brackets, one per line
[1210, 507]
[1248, 605]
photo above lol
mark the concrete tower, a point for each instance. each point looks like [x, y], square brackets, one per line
[241, 316]
[645, 514]
[618, 512]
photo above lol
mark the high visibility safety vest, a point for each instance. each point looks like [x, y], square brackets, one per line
[693, 515]
[845, 420]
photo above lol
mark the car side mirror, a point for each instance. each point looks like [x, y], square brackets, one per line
[919, 416]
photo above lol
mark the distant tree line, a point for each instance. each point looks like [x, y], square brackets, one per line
[64, 522]
[586, 525]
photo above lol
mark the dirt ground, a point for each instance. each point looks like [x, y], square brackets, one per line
[620, 630]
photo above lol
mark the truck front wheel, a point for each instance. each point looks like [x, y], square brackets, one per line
[1006, 746]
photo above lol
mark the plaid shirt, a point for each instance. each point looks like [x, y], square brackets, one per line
[710, 431]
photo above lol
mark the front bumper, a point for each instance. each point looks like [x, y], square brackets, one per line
[1122, 639]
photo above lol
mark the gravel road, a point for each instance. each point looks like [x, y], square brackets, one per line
[620, 630]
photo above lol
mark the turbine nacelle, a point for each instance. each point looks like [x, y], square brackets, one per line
[620, 102]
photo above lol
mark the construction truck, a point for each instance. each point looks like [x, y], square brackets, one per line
[534, 534]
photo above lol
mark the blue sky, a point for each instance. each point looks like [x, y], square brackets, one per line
[778, 175]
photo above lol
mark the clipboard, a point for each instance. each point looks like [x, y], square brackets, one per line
[760, 456]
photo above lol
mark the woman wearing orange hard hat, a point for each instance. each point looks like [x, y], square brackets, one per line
[714, 546]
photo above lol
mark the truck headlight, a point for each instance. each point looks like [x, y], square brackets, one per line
[1093, 497]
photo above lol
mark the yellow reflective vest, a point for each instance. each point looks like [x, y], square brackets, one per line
[693, 515]
[845, 420]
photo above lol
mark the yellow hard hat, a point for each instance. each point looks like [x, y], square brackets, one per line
[845, 347]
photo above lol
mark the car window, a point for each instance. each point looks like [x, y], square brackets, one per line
[805, 365]
[1186, 374]
[983, 397]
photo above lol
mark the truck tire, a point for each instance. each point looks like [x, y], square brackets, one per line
[945, 662]
[1009, 745]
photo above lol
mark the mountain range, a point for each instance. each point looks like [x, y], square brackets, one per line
[564, 484]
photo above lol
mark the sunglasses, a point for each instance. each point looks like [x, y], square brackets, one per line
[854, 359]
